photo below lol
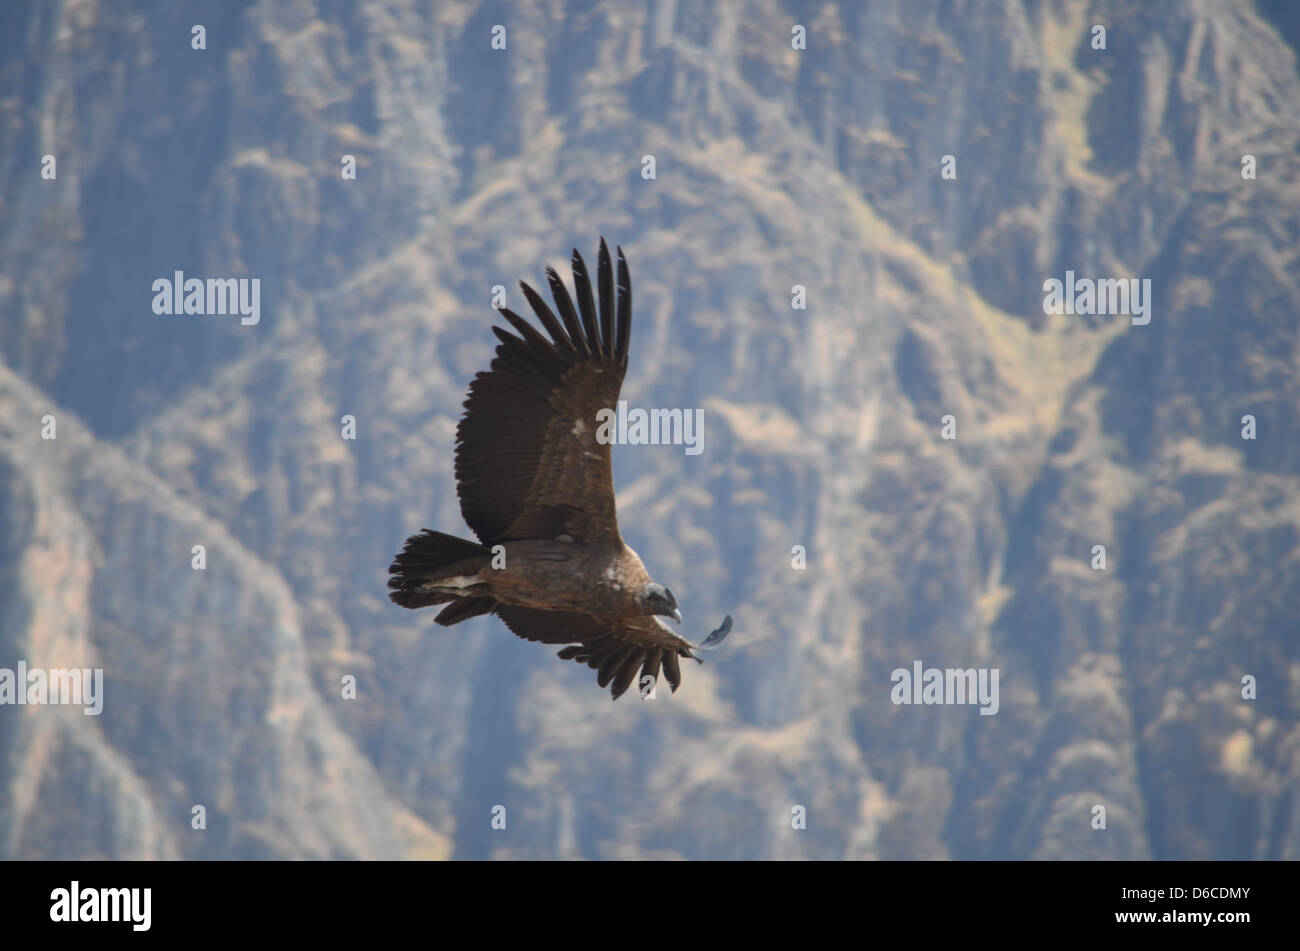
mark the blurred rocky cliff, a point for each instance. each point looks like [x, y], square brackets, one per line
[773, 167]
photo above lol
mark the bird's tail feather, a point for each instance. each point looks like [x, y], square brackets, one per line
[425, 558]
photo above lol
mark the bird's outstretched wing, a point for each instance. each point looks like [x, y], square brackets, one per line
[616, 650]
[528, 464]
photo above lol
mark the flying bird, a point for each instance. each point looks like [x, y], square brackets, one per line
[536, 487]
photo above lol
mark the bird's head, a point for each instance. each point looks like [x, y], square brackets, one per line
[659, 600]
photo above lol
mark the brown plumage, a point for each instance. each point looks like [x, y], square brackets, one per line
[533, 479]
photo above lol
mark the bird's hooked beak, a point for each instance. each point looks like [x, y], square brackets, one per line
[661, 601]
[672, 605]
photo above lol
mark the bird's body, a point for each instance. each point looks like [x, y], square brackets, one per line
[536, 486]
[550, 575]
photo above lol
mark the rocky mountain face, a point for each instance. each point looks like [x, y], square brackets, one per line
[919, 169]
